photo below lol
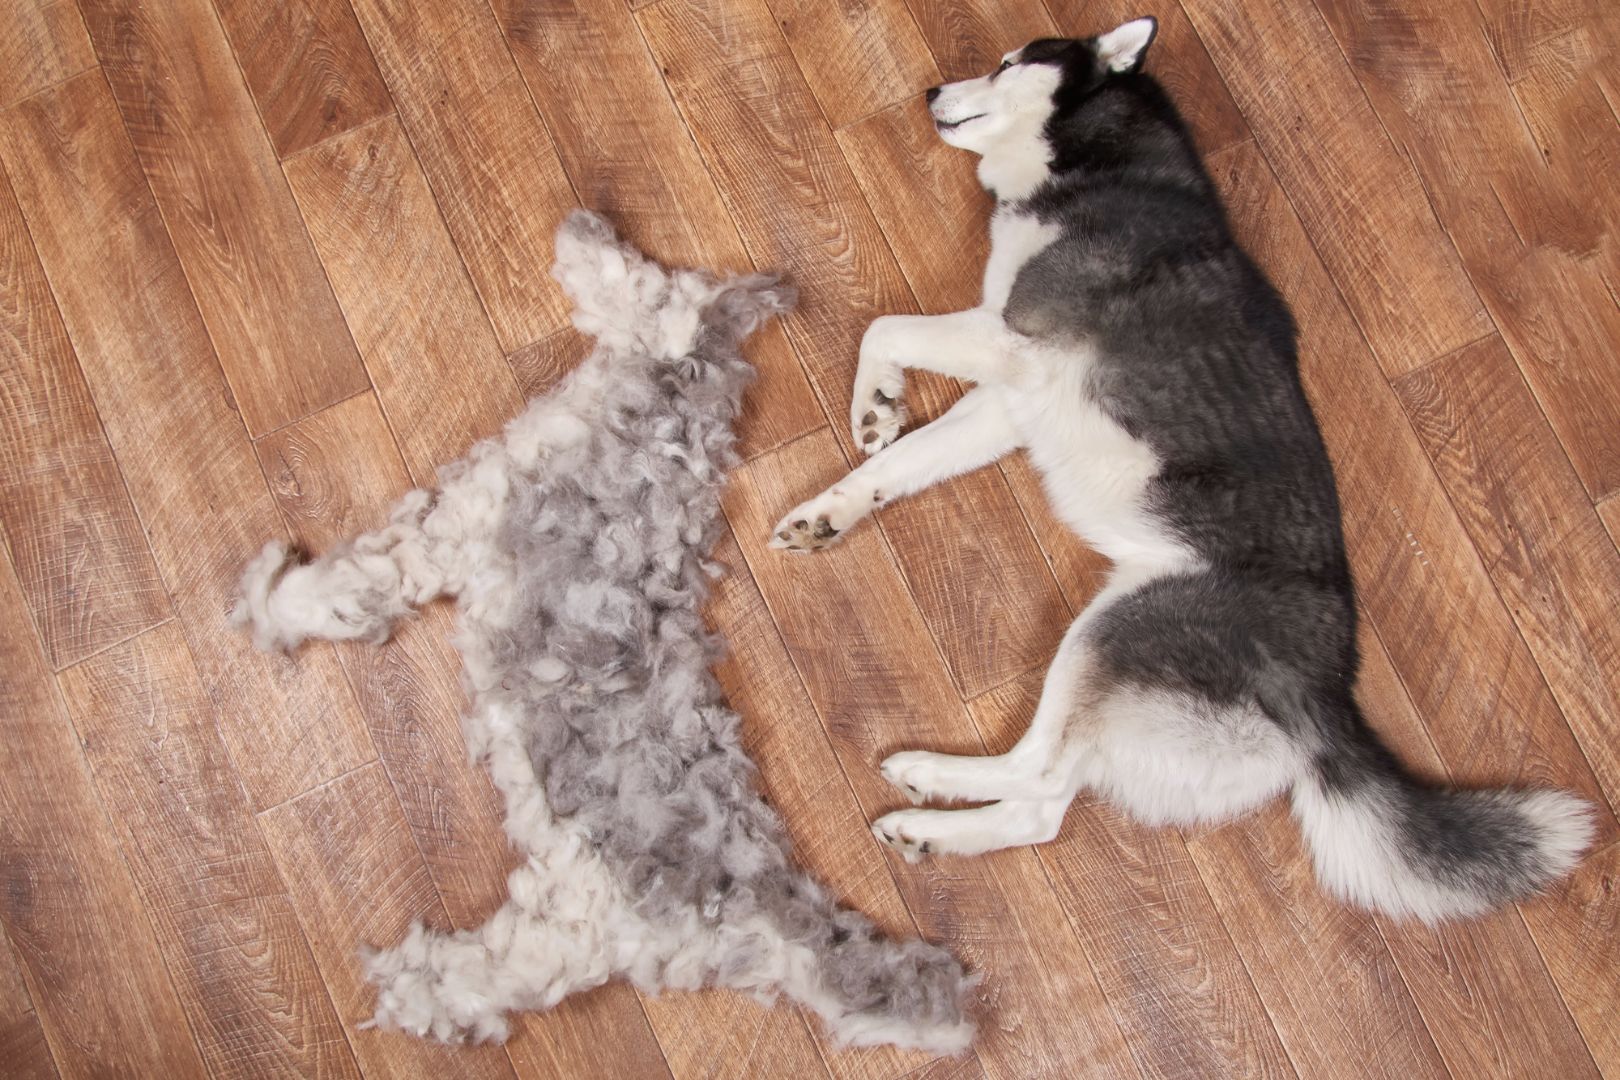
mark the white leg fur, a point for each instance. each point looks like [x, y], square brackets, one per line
[1012, 823]
[973, 433]
[970, 345]
[1042, 765]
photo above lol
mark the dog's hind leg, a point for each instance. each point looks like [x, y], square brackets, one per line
[975, 432]
[1042, 766]
[1011, 823]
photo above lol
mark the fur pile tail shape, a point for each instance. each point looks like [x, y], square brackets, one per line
[574, 545]
[1384, 840]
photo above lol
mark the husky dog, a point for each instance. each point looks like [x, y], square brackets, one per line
[1149, 368]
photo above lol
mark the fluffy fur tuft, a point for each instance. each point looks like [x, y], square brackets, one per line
[1383, 840]
[574, 545]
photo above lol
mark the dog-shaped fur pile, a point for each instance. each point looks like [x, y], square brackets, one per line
[574, 545]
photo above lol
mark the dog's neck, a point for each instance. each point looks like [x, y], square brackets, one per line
[1018, 163]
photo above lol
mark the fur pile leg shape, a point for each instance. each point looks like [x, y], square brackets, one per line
[574, 545]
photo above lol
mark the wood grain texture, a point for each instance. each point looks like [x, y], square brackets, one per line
[42, 43]
[443, 383]
[22, 1041]
[1609, 511]
[1322, 969]
[1480, 984]
[1551, 558]
[275, 327]
[1177, 58]
[798, 207]
[877, 687]
[857, 56]
[1578, 930]
[630, 157]
[1156, 942]
[1446, 159]
[355, 876]
[1339, 999]
[87, 951]
[289, 723]
[720, 1035]
[1359, 199]
[308, 67]
[1456, 646]
[336, 475]
[223, 918]
[484, 149]
[969, 37]
[432, 355]
[1531, 229]
[73, 536]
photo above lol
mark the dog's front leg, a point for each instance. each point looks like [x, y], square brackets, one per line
[974, 432]
[968, 345]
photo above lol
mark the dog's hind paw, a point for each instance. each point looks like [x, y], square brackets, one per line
[891, 830]
[905, 771]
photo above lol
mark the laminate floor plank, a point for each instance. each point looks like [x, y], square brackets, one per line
[223, 918]
[180, 445]
[42, 43]
[269, 311]
[1538, 239]
[91, 962]
[630, 156]
[484, 149]
[1358, 197]
[73, 535]
[308, 67]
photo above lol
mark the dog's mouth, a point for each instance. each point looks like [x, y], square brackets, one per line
[952, 125]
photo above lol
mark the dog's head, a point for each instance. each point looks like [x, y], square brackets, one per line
[1004, 116]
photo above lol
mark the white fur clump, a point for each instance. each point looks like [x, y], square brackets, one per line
[574, 545]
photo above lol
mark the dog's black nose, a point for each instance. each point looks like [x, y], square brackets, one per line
[933, 92]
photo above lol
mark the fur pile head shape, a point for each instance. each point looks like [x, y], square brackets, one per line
[574, 545]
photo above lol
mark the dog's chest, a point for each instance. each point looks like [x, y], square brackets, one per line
[1015, 238]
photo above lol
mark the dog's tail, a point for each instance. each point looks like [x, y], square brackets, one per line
[1385, 840]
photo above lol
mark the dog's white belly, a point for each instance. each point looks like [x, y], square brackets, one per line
[1095, 474]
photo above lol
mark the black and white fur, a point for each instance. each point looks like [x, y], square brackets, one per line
[1149, 368]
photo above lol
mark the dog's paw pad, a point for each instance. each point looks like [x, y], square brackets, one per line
[804, 534]
[896, 770]
[875, 422]
[890, 829]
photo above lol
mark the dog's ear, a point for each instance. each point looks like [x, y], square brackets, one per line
[1123, 48]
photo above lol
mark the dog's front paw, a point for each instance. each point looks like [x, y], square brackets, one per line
[895, 831]
[819, 523]
[875, 418]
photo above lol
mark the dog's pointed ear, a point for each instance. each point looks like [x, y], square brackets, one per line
[1123, 48]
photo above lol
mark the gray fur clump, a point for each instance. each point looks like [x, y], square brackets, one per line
[575, 546]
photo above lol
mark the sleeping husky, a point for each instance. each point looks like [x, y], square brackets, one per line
[1149, 368]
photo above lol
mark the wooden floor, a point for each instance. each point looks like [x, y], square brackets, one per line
[266, 264]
